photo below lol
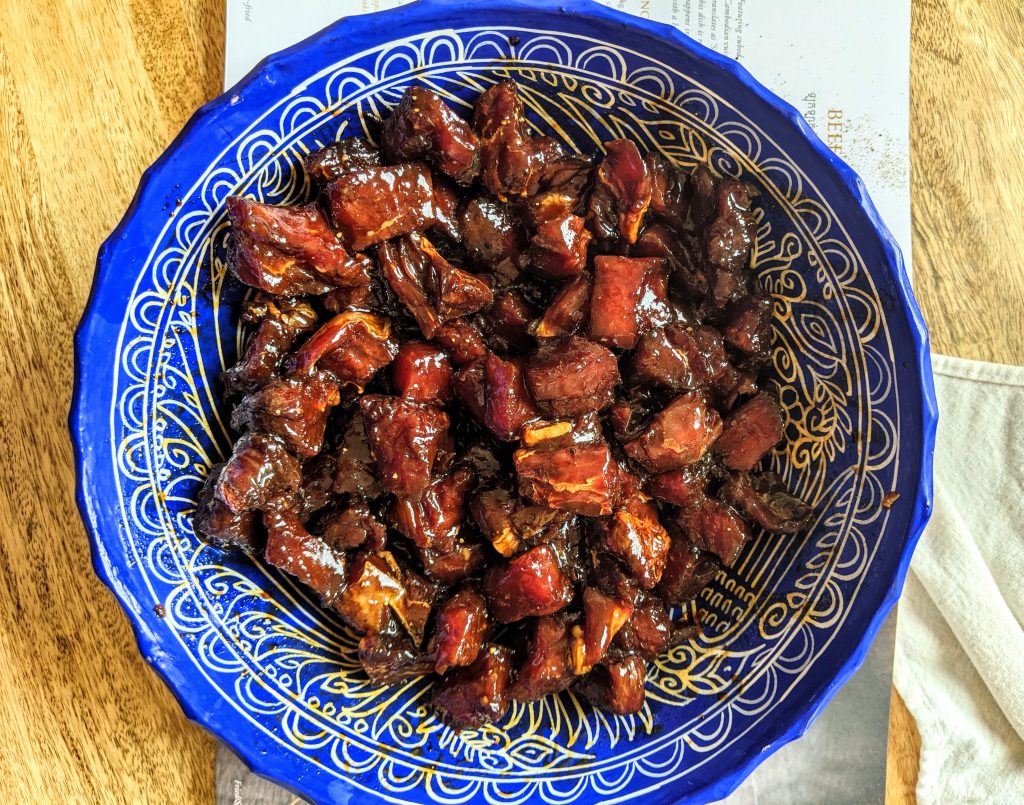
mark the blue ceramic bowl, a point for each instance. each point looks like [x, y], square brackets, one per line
[248, 652]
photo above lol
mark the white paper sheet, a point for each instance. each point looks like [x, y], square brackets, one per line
[845, 66]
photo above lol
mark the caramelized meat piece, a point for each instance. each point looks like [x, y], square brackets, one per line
[679, 435]
[463, 561]
[431, 288]
[546, 669]
[462, 627]
[470, 387]
[470, 697]
[530, 584]
[507, 403]
[648, 630]
[750, 432]
[288, 251]
[390, 659]
[462, 341]
[353, 526]
[559, 247]
[317, 490]
[622, 193]
[628, 417]
[366, 298]
[291, 548]
[434, 520]
[619, 283]
[583, 479]
[295, 409]
[764, 499]
[403, 438]
[682, 254]
[493, 238]
[688, 570]
[352, 346]
[669, 190]
[617, 687]
[508, 522]
[508, 323]
[422, 372]
[344, 156]
[731, 231]
[446, 209]
[715, 527]
[636, 537]
[572, 376]
[510, 160]
[680, 357]
[568, 311]
[417, 605]
[374, 591]
[354, 473]
[603, 616]
[279, 324]
[749, 329]
[585, 429]
[424, 127]
[260, 473]
[683, 487]
[372, 205]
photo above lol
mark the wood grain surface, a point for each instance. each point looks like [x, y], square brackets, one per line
[91, 91]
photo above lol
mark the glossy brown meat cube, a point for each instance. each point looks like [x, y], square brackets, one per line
[636, 537]
[259, 472]
[572, 376]
[669, 190]
[559, 247]
[295, 409]
[352, 526]
[529, 584]
[344, 156]
[390, 659]
[352, 346]
[289, 251]
[424, 127]
[403, 438]
[749, 328]
[680, 357]
[677, 436]
[291, 548]
[648, 630]
[462, 341]
[372, 205]
[464, 560]
[765, 500]
[478, 694]
[583, 479]
[279, 322]
[622, 193]
[510, 159]
[433, 520]
[614, 303]
[374, 590]
[683, 255]
[683, 487]
[603, 616]
[446, 209]
[507, 323]
[317, 490]
[750, 432]
[568, 311]
[507, 403]
[493, 237]
[461, 629]
[355, 467]
[688, 570]
[417, 605]
[732, 230]
[509, 522]
[546, 668]
[713, 526]
[423, 373]
[470, 387]
[617, 687]
[585, 429]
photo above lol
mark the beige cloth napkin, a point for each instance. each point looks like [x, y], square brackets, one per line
[960, 645]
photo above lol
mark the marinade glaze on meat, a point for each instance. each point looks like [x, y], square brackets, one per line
[501, 405]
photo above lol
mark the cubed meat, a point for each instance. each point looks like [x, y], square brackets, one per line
[510, 160]
[603, 616]
[354, 465]
[260, 472]
[732, 229]
[289, 251]
[344, 156]
[669, 190]
[648, 630]
[417, 604]
[622, 193]
[374, 295]
[683, 356]
[403, 438]
[568, 311]
[713, 526]
[683, 256]
[291, 548]
[581, 478]
[462, 341]
[628, 417]
[507, 403]
[750, 432]
[470, 387]
[352, 346]
[508, 522]
[765, 500]
[390, 659]
[424, 127]
[572, 376]
[507, 323]
[351, 526]
[372, 205]
[446, 210]
[688, 570]
[559, 247]
[683, 487]
[374, 591]
[749, 326]
[614, 303]
[434, 519]
[317, 490]
[636, 537]
[585, 429]
[617, 686]
[493, 237]
[678, 436]
[546, 668]
[421, 372]
[465, 560]
[530, 584]
[279, 322]
[295, 409]
[461, 629]
[478, 694]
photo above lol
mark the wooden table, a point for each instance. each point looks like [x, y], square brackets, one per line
[91, 91]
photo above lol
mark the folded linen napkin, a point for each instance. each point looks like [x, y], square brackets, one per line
[959, 644]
